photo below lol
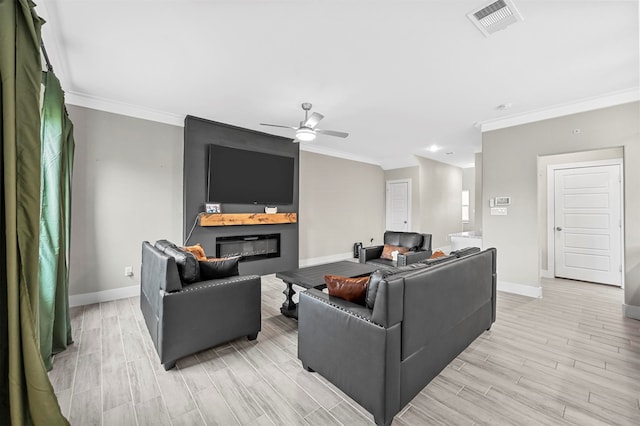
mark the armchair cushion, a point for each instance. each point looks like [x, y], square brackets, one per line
[188, 267]
[387, 251]
[218, 267]
[410, 240]
[350, 289]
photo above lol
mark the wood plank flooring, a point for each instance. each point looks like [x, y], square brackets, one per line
[568, 358]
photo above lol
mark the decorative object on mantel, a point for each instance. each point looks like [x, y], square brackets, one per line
[213, 208]
[227, 219]
[271, 210]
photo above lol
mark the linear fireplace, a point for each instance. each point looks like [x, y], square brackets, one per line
[250, 247]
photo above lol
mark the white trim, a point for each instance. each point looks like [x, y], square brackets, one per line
[631, 311]
[103, 296]
[588, 104]
[551, 249]
[544, 273]
[409, 197]
[522, 289]
[312, 261]
[399, 163]
[312, 147]
[122, 108]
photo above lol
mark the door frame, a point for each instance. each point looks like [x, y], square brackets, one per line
[388, 207]
[551, 247]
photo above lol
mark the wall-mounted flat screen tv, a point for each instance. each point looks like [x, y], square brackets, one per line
[240, 176]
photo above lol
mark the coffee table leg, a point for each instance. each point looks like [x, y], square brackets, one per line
[289, 307]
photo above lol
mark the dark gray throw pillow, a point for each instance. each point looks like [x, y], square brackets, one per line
[374, 282]
[188, 267]
[219, 268]
[163, 244]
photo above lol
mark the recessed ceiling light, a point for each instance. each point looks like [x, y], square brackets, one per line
[433, 148]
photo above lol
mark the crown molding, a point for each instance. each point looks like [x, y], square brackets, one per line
[122, 108]
[332, 153]
[588, 104]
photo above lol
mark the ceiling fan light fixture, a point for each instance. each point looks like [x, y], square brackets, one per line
[305, 134]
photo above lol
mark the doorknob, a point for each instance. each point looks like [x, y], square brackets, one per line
[558, 228]
[405, 221]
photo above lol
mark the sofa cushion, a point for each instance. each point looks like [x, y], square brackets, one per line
[218, 267]
[351, 289]
[197, 251]
[387, 251]
[188, 267]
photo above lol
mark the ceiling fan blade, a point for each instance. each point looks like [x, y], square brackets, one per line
[333, 133]
[278, 125]
[313, 120]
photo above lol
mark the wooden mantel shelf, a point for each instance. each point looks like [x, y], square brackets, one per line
[226, 219]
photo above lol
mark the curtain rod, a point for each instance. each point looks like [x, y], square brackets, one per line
[46, 57]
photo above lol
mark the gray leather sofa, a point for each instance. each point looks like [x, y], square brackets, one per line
[184, 318]
[419, 245]
[421, 317]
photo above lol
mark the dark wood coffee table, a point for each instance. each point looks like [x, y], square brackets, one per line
[313, 277]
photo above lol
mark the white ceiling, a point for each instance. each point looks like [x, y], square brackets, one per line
[397, 75]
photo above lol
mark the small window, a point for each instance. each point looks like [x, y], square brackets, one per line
[465, 206]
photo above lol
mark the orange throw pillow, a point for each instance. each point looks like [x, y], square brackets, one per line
[197, 251]
[351, 289]
[388, 249]
[436, 254]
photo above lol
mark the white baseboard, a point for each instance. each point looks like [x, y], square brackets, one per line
[522, 289]
[312, 261]
[631, 311]
[545, 273]
[103, 296]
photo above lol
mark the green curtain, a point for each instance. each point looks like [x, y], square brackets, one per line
[31, 399]
[57, 162]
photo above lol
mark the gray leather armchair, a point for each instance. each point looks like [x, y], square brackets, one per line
[419, 246]
[186, 318]
[422, 317]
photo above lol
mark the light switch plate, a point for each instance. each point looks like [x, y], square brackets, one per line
[499, 211]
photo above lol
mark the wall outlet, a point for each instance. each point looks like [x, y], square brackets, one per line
[128, 271]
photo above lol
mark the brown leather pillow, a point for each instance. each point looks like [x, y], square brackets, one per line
[436, 254]
[351, 289]
[388, 249]
[197, 251]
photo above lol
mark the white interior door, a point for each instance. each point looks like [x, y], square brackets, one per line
[398, 205]
[588, 224]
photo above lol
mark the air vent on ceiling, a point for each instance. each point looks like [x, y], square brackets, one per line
[495, 16]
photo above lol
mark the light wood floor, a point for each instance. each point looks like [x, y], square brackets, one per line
[569, 358]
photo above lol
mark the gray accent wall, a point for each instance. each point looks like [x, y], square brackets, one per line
[510, 168]
[127, 188]
[199, 133]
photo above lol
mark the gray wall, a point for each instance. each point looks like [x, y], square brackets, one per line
[341, 202]
[440, 200]
[127, 187]
[478, 205]
[510, 158]
[412, 173]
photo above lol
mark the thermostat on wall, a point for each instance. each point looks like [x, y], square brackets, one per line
[502, 201]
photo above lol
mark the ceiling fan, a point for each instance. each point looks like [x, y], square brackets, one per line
[307, 130]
